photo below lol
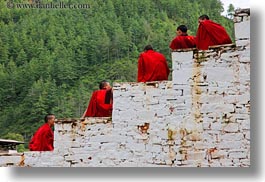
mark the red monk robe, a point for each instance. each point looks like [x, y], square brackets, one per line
[210, 33]
[42, 139]
[152, 66]
[100, 104]
[183, 42]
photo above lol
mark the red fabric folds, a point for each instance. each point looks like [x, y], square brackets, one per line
[98, 104]
[183, 42]
[42, 139]
[152, 66]
[210, 33]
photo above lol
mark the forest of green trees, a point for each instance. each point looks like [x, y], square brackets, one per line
[52, 59]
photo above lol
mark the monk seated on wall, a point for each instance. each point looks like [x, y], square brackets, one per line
[210, 33]
[182, 40]
[42, 140]
[100, 104]
[152, 66]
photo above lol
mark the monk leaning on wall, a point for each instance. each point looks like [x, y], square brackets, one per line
[210, 33]
[152, 66]
[43, 138]
[100, 104]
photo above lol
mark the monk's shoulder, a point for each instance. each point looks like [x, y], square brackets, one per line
[158, 54]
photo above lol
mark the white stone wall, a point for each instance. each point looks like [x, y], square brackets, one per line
[199, 119]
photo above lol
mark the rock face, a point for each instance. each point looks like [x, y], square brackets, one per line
[199, 119]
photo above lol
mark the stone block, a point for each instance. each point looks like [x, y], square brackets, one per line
[231, 127]
[182, 76]
[217, 74]
[247, 135]
[182, 57]
[127, 115]
[230, 145]
[237, 155]
[217, 108]
[149, 100]
[218, 154]
[244, 162]
[242, 30]
[205, 98]
[243, 42]
[199, 145]
[232, 137]
[194, 136]
[196, 155]
[216, 126]
[145, 115]
[244, 59]
[245, 125]
[244, 98]
[226, 162]
[215, 164]
[6, 161]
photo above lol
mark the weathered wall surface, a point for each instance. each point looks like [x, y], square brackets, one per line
[200, 118]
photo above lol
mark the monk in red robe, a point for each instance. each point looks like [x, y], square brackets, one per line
[43, 138]
[182, 40]
[152, 66]
[210, 33]
[100, 104]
